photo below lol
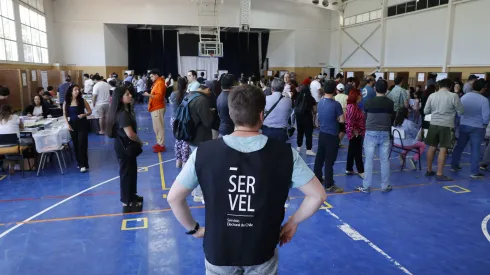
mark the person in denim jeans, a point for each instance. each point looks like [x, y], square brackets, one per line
[379, 118]
[472, 128]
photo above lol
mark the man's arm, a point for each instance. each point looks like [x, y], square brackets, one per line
[204, 112]
[458, 105]
[485, 112]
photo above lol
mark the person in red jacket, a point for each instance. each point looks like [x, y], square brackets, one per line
[156, 107]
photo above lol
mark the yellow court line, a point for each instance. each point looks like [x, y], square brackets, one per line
[162, 176]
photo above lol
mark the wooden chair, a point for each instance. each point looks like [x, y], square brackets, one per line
[399, 148]
[12, 150]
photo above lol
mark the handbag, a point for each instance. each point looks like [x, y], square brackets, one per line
[133, 149]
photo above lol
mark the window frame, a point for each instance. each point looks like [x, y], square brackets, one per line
[9, 41]
[34, 35]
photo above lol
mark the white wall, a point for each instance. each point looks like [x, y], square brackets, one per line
[53, 43]
[471, 37]
[418, 39]
[81, 43]
[298, 48]
[116, 45]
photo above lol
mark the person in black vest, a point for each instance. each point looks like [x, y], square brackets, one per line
[244, 195]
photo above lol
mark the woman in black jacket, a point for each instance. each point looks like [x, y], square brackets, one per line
[303, 110]
[37, 108]
[121, 125]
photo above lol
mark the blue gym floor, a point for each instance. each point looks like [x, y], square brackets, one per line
[72, 223]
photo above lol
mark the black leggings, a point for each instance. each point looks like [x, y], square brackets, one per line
[355, 153]
[79, 136]
[128, 175]
[305, 128]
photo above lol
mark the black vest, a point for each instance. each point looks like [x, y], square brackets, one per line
[245, 195]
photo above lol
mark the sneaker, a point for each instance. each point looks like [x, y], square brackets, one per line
[362, 189]
[335, 189]
[178, 164]
[286, 204]
[455, 168]
[159, 149]
[387, 189]
[483, 166]
[83, 170]
[443, 178]
[477, 176]
[298, 149]
[430, 173]
[361, 175]
[310, 153]
[413, 163]
[349, 173]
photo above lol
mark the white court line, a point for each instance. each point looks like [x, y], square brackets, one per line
[484, 228]
[67, 199]
[356, 236]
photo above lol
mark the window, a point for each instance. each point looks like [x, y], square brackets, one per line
[35, 43]
[361, 18]
[8, 37]
[412, 5]
[35, 4]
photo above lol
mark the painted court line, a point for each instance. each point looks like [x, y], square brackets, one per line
[65, 200]
[484, 227]
[356, 236]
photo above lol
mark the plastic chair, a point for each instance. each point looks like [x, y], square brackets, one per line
[10, 144]
[399, 148]
[49, 142]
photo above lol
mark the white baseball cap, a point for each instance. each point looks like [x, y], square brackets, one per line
[340, 87]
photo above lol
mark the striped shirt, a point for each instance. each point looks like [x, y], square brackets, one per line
[379, 114]
[354, 121]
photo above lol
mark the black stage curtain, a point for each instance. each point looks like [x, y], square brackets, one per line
[145, 50]
[240, 53]
[265, 46]
[170, 53]
[189, 44]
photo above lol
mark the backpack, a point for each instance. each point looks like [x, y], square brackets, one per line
[184, 128]
[301, 107]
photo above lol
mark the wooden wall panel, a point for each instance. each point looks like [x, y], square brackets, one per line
[25, 90]
[12, 80]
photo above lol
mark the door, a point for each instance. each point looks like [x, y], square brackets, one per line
[455, 76]
[405, 77]
[359, 75]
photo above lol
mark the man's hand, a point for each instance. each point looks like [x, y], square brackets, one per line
[287, 232]
[146, 94]
[200, 233]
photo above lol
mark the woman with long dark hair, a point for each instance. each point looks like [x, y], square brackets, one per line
[75, 111]
[37, 108]
[355, 123]
[121, 125]
[403, 124]
[304, 119]
[182, 149]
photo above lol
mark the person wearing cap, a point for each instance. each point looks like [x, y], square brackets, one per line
[468, 87]
[226, 125]
[156, 107]
[342, 99]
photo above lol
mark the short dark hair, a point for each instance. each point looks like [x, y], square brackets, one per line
[68, 78]
[194, 73]
[339, 75]
[4, 91]
[97, 77]
[479, 85]
[330, 87]
[50, 88]
[472, 77]
[381, 86]
[156, 72]
[202, 74]
[38, 89]
[246, 103]
[398, 80]
[446, 83]
[227, 81]
[86, 75]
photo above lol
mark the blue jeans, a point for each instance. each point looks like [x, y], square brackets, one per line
[475, 136]
[372, 140]
[276, 133]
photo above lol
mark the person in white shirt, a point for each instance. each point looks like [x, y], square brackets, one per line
[140, 88]
[88, 85]
[315, 88]
[9, 124]
[100, 100]
[192, 80]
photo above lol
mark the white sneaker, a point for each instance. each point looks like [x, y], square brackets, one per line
[298, 149]
[361, 175]
[178, 164]
[198, 199]
[83, 170]
[310, 153]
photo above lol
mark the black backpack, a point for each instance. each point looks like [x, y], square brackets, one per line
[301, 107]
[184, 128]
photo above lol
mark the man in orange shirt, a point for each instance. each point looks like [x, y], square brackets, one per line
[156, 107]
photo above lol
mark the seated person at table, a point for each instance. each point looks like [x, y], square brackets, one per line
[38, 108]
[40, 91]
[47, 98]
[9, 124]
[51, 91]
